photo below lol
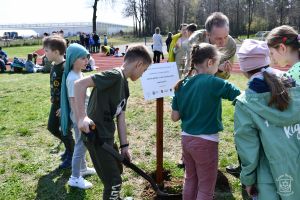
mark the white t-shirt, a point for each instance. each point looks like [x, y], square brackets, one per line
[157, 42]
[71, 78]
[210, 137]
[92, 63]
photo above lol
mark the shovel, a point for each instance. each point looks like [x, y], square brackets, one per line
[160, 194]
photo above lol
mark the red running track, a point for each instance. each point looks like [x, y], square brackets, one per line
[104, 62]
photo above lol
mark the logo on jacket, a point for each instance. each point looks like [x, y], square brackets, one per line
[291, 130]
[285, 185]
[120, 107]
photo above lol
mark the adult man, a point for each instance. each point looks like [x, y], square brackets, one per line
[216, 32]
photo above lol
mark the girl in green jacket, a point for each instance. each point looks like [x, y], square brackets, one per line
[284, 44]
[267, 127]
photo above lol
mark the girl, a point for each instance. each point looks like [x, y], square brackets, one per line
[76, 60]
[284, 44]
[267, 125]
[197, 102]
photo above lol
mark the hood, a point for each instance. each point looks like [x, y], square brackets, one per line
[258, 103]
[74, 51]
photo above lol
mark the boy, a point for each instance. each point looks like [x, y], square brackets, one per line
[55, 47]
[108, 100]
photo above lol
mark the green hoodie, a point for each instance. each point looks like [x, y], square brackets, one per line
[268, 143]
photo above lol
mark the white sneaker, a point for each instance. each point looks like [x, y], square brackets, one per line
[88, 171]
[79, 182]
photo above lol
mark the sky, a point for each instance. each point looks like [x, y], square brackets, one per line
[59, 11]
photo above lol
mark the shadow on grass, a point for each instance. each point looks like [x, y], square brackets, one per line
[54, 186]
[223, 190]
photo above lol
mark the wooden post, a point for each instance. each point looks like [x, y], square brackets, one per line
[159, 139]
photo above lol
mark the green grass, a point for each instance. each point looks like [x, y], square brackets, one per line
[28, 169]
[22, 51]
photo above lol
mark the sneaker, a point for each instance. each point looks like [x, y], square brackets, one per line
[79, 182]
[67, 163]
[87, 171]
[234, 171]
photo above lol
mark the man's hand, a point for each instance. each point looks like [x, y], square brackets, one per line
[84, 124]
[226, 66]
[125, 153]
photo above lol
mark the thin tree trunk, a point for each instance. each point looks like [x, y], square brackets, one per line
[95, 15]
[237, 17]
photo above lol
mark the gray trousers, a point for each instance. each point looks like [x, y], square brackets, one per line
[78, 159]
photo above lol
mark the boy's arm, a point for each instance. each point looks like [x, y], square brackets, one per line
[121, 124]
[80, 88]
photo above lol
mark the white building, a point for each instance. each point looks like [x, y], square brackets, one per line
[70, 29]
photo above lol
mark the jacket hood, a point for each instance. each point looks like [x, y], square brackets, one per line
[258, 103]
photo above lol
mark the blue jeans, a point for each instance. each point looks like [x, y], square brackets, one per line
[78, 159]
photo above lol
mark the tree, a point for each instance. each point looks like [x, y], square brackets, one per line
[250, 15]
[94, 20]
[95, 15]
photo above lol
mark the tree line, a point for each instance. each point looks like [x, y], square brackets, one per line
[246, 16]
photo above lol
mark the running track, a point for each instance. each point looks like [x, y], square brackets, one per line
[104, 62]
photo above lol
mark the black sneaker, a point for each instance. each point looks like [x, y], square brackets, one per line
[67, 163]
[234, 171]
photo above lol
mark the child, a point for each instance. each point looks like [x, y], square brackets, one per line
[55, 47]
[108, 100]
[284, 44]
[197, 102]
[91, 65]
[77, 59]
[105, 40]
[29, 65]
[107, 50]
[266, 122]
[3, 56]
[34, 57]
[47, 65]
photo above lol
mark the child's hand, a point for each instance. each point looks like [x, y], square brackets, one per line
[125, 153]
[251, 191]
[84, 124]
[58, 113]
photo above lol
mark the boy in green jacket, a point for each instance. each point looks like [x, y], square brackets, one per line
[267, 127]
[108, 101]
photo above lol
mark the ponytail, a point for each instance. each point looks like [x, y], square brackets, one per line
[279, 93]
[178, 84]
[200, 52]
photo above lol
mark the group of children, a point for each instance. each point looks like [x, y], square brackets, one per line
[266, 118]
[107, 101]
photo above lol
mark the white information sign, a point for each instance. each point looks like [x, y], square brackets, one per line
[159, 80]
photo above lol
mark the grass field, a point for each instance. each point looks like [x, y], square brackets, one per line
[22, 51]
[28, 169]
